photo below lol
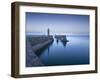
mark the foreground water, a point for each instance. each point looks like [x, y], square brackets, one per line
[74, 52]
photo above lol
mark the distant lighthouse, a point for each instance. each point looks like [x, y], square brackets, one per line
[48, 32]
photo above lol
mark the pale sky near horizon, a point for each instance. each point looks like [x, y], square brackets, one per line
[57, 23]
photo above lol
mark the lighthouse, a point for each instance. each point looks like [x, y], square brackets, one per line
[48, 32]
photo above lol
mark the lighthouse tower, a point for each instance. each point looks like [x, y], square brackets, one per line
[48, 32]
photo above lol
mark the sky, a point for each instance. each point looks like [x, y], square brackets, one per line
[57, 23]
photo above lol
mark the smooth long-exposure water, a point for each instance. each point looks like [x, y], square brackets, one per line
[74, 52]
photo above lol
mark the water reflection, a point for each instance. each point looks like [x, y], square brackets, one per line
[48, 50]
[47, 47]
[57, 41]
[77, 52]
[64, 43]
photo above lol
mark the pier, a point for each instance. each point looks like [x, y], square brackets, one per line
[34, 44]
[31, 58]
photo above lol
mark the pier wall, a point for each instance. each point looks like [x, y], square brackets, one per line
[32, 59]
[34, 44]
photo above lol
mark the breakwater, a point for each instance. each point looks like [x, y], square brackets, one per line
[61, 38]
[34, 44]
[31, 58]
[39, 42]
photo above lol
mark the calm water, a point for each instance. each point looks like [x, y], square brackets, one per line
[74, 52]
